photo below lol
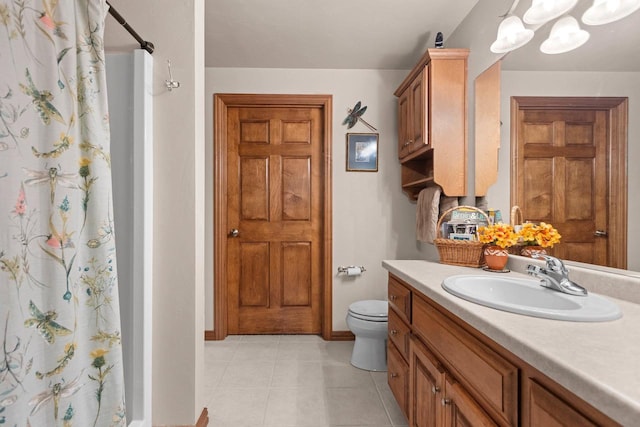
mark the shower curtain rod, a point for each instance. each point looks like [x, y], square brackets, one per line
[148, 46]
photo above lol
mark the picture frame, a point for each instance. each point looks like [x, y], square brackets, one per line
[362, 152]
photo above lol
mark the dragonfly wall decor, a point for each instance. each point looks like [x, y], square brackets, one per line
[355, 115]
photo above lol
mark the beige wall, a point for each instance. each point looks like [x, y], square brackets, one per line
[372, 219]
[177, 30]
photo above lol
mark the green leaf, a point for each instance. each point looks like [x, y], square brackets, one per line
[62, 53]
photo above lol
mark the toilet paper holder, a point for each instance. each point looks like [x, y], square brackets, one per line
[351, 269]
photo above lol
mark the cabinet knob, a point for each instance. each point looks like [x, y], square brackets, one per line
[435, 389]
[393, 332]
[393, 297]
[394, 375]
[445, 402]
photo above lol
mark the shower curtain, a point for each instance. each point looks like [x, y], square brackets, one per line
[61, 357]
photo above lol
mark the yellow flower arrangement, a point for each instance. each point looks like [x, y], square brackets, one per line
[542, 234]
[498, 234]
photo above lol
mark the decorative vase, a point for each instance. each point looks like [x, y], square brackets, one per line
[530, 251]
[496, 257]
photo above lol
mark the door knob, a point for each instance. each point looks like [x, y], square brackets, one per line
[600, 233]
[234, 232]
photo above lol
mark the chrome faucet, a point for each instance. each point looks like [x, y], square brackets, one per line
[555, 276]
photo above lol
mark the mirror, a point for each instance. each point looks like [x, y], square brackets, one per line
[607, 65]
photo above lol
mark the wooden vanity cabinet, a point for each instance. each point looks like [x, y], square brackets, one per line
[455, 376]
[432, 123]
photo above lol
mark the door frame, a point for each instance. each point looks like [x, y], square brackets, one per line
[617, 190]
[221, 104]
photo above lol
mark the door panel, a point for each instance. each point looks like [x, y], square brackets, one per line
[296, 278]
[254, 275]
[254, 191]
[296, 188]
[274, 199]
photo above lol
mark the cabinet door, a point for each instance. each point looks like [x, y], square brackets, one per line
[397, 376]
[426, 387]
[404, 126]
[399, 297]
[460, 408]
[399, 333]
[418, 110]
[547, 410]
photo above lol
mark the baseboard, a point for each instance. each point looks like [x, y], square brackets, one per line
[342, 336]
[203, 421]
[335, 336]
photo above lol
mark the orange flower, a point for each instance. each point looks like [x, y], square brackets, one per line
[543, 234]
[498, 234]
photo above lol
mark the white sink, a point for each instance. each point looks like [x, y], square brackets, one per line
[528, 297]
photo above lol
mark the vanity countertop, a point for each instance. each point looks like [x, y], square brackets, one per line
[599, 362]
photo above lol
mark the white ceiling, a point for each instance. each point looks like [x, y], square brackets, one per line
[351, 34]
[376, 34]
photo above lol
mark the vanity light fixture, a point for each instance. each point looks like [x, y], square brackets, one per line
[566, 34]
[605, 11]
[542, 11]
[511, 35]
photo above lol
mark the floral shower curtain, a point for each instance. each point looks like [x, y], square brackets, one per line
[61, 358]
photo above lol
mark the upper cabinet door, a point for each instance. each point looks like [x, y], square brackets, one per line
[419, 120]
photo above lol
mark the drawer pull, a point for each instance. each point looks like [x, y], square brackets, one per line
[394, 375]
[393, 332]
[435, 389]
[393, 297]
[445, 402]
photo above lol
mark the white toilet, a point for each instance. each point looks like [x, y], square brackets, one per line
[368, 322]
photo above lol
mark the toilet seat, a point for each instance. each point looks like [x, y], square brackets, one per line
[370, 310]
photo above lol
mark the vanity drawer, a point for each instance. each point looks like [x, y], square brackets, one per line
[399, 334]
[400, 298]
[398, 377]
[489, 377]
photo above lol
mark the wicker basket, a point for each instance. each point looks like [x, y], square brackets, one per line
[464, 253]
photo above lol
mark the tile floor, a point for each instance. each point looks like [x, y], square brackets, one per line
[293, 381]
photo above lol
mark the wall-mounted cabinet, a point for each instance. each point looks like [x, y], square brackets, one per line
[432, 123]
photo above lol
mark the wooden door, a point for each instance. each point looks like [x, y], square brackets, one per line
[563, 173]
[274, 189]
[272, 184]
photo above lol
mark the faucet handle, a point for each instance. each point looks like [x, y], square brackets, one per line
[553, 263]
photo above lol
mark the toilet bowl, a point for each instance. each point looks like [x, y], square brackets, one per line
[368, 322]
